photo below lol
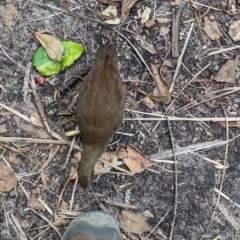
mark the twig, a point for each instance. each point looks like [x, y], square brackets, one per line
[46, 220]
[195, 76]
[26, 80]
[35, 140]
[223, 176]
[50, 158]
[176, 177]
[115, 167]
[175, 32]
[179, 61]
[223, 50]
[40, 106]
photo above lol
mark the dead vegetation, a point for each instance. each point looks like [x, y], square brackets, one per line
[172, 170]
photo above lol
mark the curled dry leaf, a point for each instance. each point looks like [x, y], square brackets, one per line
[8, 181]
[126, 7]
[53, 47]
[233, 31]
[145, 15]
[135, 160]
[111, 11]
[133, 222]
[162, 88]
[226, 72]
[211, 29]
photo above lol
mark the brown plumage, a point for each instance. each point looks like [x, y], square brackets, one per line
[99, 110]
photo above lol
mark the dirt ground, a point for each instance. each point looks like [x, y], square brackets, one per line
[206, 152]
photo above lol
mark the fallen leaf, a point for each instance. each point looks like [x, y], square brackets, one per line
[114, 21]
[150, 23]
[135, 160]
[34, 203]
[132, 103]
[226, 73]
[13, 159]
[126, 7]
[8, 14]
[53, 47]
[36, 120]
[145, 15]
[163, 31]
[149, 102]
[211, 29]
[101, 168]
[121, 153]
[8, 181]
[110, 11]
[162, 88]
[148, 214]
[147, 46]
[233, 31]
[133, 222]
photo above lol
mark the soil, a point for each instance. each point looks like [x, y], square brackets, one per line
[198, 180]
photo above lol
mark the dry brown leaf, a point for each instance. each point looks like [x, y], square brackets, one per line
[133, 222]
[234, 30]
[150, 23]
[226, 72]
[13, 159]
[30, 129]
[145, 15]
[149, 102]
[78, 155]
[163, 31]
[147, 46]
[136, 161]
[211, 29]
[53, 47]
[3, 128]
[8, 14]
[36, 120]
[148, 214]
[126, 7]
[101, 168]
[121, 153]
[132, 103]
[8, 181]
[34, 203]
[162, 88]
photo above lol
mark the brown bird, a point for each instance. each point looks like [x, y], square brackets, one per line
[99, 110]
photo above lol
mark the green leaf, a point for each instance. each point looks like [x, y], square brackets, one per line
[72, 51]
[48, 67]
[44, 64]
